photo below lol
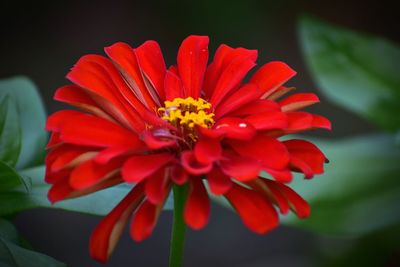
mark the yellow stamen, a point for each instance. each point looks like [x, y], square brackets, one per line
[187, 112]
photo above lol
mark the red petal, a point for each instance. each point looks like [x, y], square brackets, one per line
[272, 191]
[56, 120]
[271, 76]
[306, 157]
[321, 122]
[173, 86]
[233, 128]
[253, 208]
[144, 221]
[256, 107]
[241, 168]
[298, 101]
[162, 140]
[301, 121]
[125, 58]
[269, 151]
[152, 64]
[282, 90]
[197, 206]
[106, 235]
[230, 77]
[157, 187]
[268, 120]
[137, 168]
[94, 131]
[90, 173]
[179, 175]
[244, 95]
[296, 202]
[283, 176]
[70, 158]
[219, 183]
[192, 166]
[110, 153]
[192, 63]
[224, 56]
[208, 150]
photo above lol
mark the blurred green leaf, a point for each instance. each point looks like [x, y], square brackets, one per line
[9, 178]
[10, 132]
[357, 71]
[360, 189]
[12, 254]
[31, 119]
[98, 203]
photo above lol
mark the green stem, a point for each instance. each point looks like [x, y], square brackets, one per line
[178, 227]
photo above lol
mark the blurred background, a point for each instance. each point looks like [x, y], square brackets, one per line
[43, 39]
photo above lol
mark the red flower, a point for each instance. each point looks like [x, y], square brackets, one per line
[144, 124]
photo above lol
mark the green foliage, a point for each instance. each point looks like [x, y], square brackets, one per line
[359, 191]
[13, 254]
[356, 71]
[26, 110]
[10, 132]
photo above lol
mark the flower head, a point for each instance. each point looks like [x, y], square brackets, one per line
[192, 123]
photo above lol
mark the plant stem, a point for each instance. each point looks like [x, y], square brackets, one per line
[178, 227]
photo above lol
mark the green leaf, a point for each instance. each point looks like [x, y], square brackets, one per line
[10, 132]
[9, 178]
[12, 254]
[360, 189]
[98, 203]
[32, 118]
[357, 71]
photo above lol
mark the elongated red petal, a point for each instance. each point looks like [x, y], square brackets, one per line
[173, 86]
[272, 191]
[219, 182]
[230, 77]
[224, 56]
[94, 131]
[298, 101]
[126, 60]
[253, 208]
[208, 150]
[90, 173]
[296, 202]
[244, 95]
[192, 62]
[137, 168]
[104, 156]
[144, 221]
[268, 120]
[158, 139]
[258, 106]
[269, 151]
[157, 186]
[197, 206]
[106, 235]
[152, 65]
[56, 120]
[239, 167]
[271, 76]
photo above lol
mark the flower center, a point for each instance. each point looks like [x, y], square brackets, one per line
[187, 112]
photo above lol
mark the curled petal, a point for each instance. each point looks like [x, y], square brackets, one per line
[306, 157]
[157, 186]
[192, 165]
[106, 235]
[208, 150]
[178, 175]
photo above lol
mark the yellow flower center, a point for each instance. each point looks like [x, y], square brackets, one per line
[187, 112]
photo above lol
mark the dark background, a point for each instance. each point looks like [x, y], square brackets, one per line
[43, 39]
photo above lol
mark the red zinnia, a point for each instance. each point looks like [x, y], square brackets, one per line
[194, 124]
